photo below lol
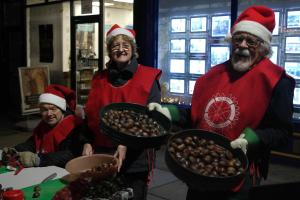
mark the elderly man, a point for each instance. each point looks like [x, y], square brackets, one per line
[57, 138]
[248, 99]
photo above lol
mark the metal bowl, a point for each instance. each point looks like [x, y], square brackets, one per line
[132, 140]
[205, 182]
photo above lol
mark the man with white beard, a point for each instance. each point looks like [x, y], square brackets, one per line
[247, 99]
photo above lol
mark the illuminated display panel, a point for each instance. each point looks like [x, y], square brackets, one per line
[177, 86]
[197, 45]
[177, 65]
[178, 25]
[198, 24]
[178, 46]
[197, 66]
[220, 26]
[218, 55]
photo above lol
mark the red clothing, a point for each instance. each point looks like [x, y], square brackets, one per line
[233, 102]
[47, 139]
[102, 93]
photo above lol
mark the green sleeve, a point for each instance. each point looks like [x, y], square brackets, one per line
[174, 112]
[251, 136]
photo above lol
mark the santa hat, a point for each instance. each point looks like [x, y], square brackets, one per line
[59, 96]
[117, 30]
[256, 20]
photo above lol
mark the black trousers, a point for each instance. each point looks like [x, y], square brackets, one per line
[138, 182]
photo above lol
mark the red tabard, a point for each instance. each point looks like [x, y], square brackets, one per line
[47, 139]
[102, 93]
[226, 104]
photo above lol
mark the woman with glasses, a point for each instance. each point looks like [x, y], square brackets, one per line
[247, 99]
[123, 80]
[57, 138]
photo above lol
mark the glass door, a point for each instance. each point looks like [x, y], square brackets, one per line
[87, 58]
[86, 45]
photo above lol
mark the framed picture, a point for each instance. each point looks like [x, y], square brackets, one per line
[198, 24]
[277, 22]
[293, 19]
[197, 66]
[33, 81]
[197, 45]
[178, 25]
[191, 86]
[293, 69]
[274, 56]
[218, 54]
[177, 86]
[292, 45]
[177, 65]
[296, 100]
[220, 25]
[178, 46]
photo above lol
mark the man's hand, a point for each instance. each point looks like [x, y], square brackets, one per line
[121, 155]
[240, 142]
[247, 140]
[29, 159]
[159, 108]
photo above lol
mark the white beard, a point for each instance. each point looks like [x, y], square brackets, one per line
[241, 64]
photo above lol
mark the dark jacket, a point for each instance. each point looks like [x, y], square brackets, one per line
[69, 148]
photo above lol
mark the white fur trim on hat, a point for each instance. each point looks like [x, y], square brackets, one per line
[53, 99]
[253, 28]
[119, 31]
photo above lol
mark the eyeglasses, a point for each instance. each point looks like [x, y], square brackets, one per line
[250, 40]
[120, 46]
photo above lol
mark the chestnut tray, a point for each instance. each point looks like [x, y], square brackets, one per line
[196, 180]
[137, 142]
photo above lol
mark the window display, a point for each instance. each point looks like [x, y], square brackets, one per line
[274, 55]
[198, 24]
[220, 26]
[292, 45]
[177, 65]
[197, 66]
[296, 99]
[191, 86]
[178, 25]
[293, 19]
[178, 46]
[276, 28]
[177, 85]
[219, 54]
[293, 69]
[197, 45]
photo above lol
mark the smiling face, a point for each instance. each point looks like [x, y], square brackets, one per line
[121, 49]
[51, 114]
[247, 50]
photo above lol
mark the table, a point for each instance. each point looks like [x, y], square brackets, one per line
[48, 189]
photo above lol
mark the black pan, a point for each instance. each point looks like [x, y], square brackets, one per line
[196, 180]
[132, 140]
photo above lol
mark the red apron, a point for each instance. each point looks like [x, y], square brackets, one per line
[102, 93]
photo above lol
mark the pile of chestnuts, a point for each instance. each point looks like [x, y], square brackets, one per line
[133, 123]
[204, 157]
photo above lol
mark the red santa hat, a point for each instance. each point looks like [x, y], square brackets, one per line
[59, 96]
[117, 30]
[256, 20]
